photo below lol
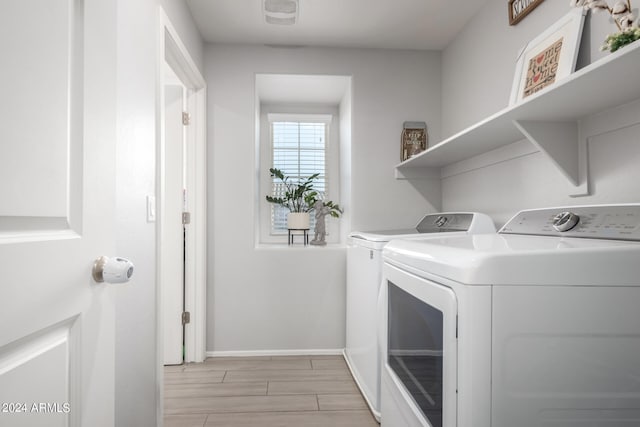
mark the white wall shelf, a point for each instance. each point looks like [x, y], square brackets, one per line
[548, 119]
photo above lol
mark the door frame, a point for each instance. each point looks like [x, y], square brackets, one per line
[171, 50]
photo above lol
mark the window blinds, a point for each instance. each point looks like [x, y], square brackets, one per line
[299, 151]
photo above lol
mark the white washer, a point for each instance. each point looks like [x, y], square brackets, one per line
[538, 325]
[364, 276]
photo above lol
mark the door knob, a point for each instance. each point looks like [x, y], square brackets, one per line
[112, 270]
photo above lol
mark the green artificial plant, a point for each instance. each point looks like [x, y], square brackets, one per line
[300, 196]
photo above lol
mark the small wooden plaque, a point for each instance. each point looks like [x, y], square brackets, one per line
[518, 9]
[414, 140]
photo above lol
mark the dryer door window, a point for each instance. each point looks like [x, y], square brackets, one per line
[415, 350]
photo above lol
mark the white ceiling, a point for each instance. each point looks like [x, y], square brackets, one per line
[391, 24]
[299, 89]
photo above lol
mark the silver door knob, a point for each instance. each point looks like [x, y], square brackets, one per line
[112, 270]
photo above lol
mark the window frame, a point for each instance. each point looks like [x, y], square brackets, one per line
[269, 114]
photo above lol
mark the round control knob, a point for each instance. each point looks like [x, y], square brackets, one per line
[441, 221]
[565, 221]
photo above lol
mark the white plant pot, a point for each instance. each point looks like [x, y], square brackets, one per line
[298, 220]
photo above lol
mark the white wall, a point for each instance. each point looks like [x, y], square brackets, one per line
[138, 23]
[525, 179]
[294, 298]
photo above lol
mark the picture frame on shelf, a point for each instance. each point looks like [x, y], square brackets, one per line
[413, 140]
[549, 57]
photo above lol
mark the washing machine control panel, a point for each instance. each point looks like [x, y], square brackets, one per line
[565, 221]
[617, 222]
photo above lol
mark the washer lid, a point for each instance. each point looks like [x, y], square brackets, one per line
[502, 259]
[377, 240]
[445, 222]
[383, 236]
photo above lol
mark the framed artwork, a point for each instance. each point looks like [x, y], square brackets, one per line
[413, 140]
[518, 9]
[549, 57]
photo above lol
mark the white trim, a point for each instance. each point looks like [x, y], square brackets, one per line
[172, 51]
[299, 117]
[254, 353]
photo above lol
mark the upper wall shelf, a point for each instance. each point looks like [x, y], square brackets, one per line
[549, 119]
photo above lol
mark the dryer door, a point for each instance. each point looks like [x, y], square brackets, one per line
[421, 350]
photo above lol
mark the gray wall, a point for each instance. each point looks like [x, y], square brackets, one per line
[266, 298]
[136, 317]
[517, 177]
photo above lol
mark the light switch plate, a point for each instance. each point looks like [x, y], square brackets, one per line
[151, 208]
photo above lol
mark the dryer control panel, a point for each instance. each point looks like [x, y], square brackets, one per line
[445, 222]
[613, 222]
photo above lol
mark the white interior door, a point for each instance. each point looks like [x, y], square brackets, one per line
[172, 230]
[57, 165]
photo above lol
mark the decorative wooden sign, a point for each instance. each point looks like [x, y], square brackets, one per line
[414, 139]
[518, 9]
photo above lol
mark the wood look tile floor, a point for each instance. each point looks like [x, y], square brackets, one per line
[288, 391]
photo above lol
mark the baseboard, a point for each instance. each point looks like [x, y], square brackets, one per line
[253, 353]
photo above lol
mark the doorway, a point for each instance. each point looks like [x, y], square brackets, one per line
[174, 218]
[181, 248]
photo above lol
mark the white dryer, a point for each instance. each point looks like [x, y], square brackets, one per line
[537, 325]
[364, 276]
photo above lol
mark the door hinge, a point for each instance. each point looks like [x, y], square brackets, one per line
[186, 218]
[186, 118]
[186, 317]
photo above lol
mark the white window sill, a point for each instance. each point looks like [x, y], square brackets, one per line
[298, 246]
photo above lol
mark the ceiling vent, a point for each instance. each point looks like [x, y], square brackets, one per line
[280, 12]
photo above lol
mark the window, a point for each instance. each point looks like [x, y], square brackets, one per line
[300, 146]
[299, 151]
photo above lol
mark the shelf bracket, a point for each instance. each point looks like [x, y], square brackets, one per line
[562, 144]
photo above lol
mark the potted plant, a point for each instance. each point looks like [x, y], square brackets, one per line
[300, 198]
[623, 16]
